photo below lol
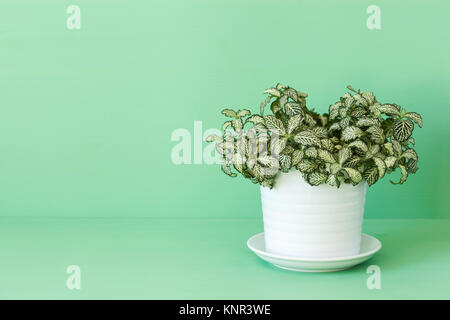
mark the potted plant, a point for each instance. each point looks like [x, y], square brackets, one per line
[314, 168]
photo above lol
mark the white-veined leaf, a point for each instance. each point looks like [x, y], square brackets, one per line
[320, 132]
[311, 152]
[227, 170]
[367, 122]
[275, 124]
[381, 166]
[237, 124]
[306, 166]
[404, 175]
[403, 129]
[285, 162]
[389, 109]
[376, 134]
[316, 178]
[325, 156]
[409, 154]
[414, 116]
[353, 174]
[334, 110]
[371, 175]
[359, 145]
[264, 104]
[292, 108]
[243, 113]
[351, 133]
[297, 155]
[273, 92]
[255, 119]
[278, 145]
[293, 123]
[307, 138]
[333, 181]
[229, 113]
[213, 137]
[344, 154]
[390, 161]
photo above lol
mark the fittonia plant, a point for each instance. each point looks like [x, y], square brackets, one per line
[359, 138]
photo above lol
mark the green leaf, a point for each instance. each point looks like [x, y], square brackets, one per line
[255, 119]
[414, 116]
[334, 110]
[229, 113]
[243, 113]
[273, 92]
[403, 129]
[367, 122]
[307, 138]
[293, 123]
[376, 134]
[325, 156]
[227, 170]
[389, 109]
[344, 154]
[213, 137]
[317, 178]
[275, 124]
[404, 175]
[371, 175]
[297, 155]
[351, 133]
[409, 154]
[412, 166]
[285, 162]
[237, 124]
[353, 174]
[359, 145]
[306, 166]
[311, 152]
[381, 166]
[292, 108]
[390, 161]
[333, 181]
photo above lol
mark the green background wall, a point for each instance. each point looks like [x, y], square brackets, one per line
[86, 115]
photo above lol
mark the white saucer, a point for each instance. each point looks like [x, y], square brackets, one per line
[369, 246]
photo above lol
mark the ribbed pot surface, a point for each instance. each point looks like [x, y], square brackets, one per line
[312, 222]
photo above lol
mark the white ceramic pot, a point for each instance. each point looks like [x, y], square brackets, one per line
[312, 222]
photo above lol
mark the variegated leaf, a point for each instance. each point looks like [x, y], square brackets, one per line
[268, 161]
[390, 161]
[381, 166]
[307, 138]
[255, 119]
[264, 104]
[311, 152]
[273, 92]
[397, 147]
[352, 162]
[293, 123]
[229, 113]
[414, 116]
[371, 175]
[344, 154]
[213, 138]
[258, 171]
[367, 122]
[351, 133]
[227, 170]
[327, 144]
[285, 162]
[275, 124]
[409, 154]
[306, 166]
[370, 98]
[358, 112]
[278, 145]
[359, 145]
[334, 110]
[376, 134]
[309, 120]
[288, 150]
[334, 126]
[403, 129]
[238, 162]
[320, 132]
[389, 148]
[390, 109]
[225, 125]
[412, 166]
[316, 178]
[291, 93]
[333, 181]
[353, 174]
[403, 177]
[292, 108]
[325, 156]
[243, 113]
[296, 156]
[237, 124]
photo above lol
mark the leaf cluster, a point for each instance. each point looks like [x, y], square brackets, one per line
[358, 139]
